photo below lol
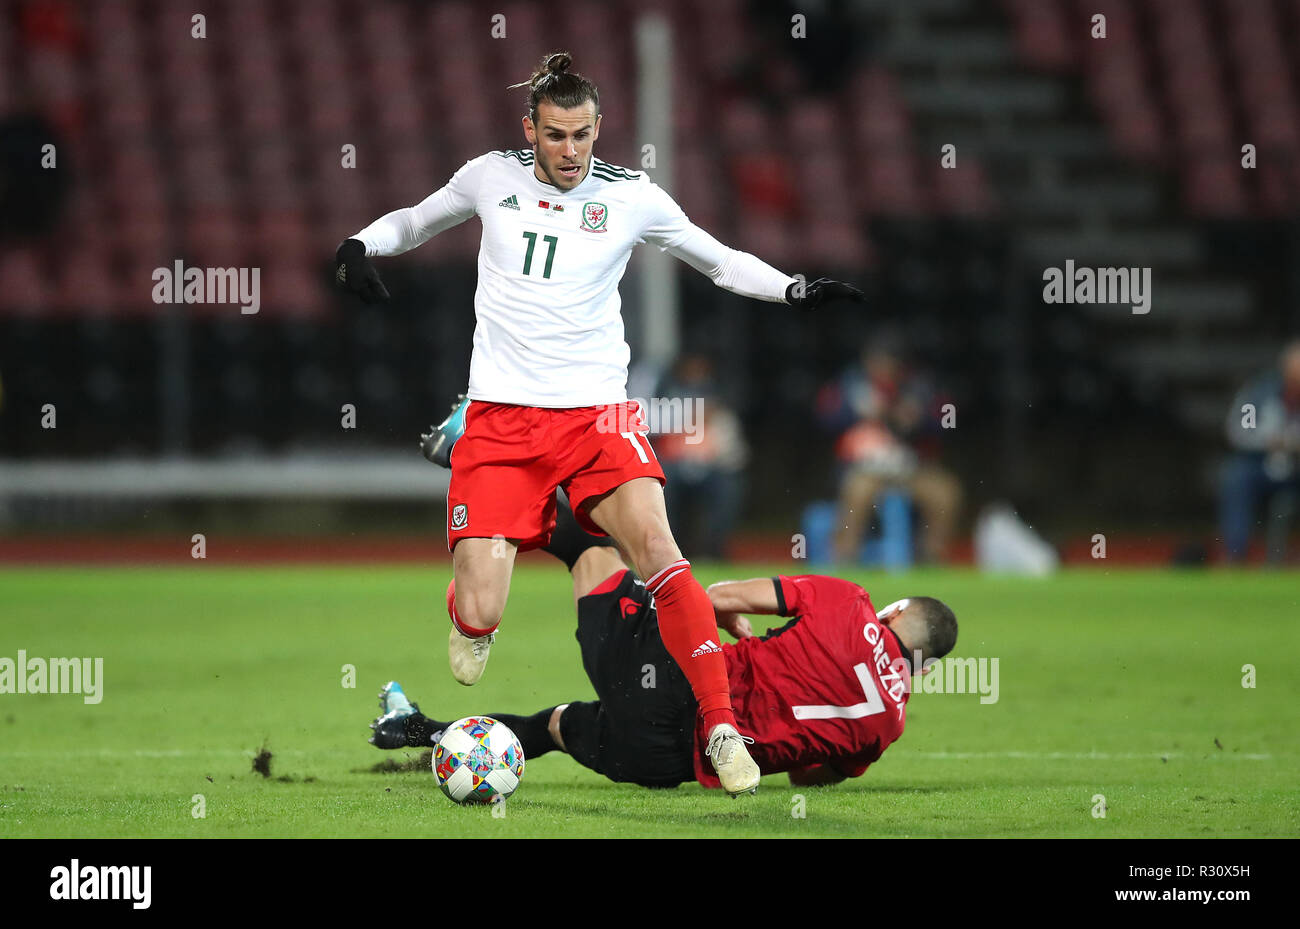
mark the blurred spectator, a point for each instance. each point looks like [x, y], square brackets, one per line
[703, 452]
[31, 197]
[52, 42]
[889, 421]
[1264, 428]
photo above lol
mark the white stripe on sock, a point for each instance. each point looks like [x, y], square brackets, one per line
[658, 579]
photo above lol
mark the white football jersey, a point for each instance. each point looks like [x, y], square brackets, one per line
[549, 327]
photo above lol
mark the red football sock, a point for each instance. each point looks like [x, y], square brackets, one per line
[689, 629]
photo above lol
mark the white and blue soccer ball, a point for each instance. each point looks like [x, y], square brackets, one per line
[478, 760]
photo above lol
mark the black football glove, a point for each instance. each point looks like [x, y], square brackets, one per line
[809, 296]
[356, 274]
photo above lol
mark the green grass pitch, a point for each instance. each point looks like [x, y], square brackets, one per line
[1126, 684]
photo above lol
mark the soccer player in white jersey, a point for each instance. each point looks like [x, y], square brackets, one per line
[548, 403]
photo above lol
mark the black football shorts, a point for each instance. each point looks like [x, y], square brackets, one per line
[642, 728]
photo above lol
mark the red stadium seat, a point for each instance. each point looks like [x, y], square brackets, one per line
[889, 185]
[399, 114]
[281, 236]
[146, 237]
[962, 190]
[1214, 188]
[840, 245]
[764, 182]
[134, 182]
[1138, 131]
[86, 283]
[1279, 187]
[126, 116]
[744, 127]
[1042, 34]
[697, 186]
[409, 174]
[775, 239]
[291, 290]
[814, 124]
[215, 239]
[1204, 131]
[445, 21]
[590, 25]
[196, 113]
[879, 115]
[204, 176]
[1274, 126]
[823, 178]
[25, 291]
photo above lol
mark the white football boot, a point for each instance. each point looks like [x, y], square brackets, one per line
[468, 657]
[736, 770]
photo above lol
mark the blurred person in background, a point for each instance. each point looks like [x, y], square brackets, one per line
[889, 422]
[703, 455]
[39, 120]
[31, 197]
[1264, 470]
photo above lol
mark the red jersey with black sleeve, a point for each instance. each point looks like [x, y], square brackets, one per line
[829, 687]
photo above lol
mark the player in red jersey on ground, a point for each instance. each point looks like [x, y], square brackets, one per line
[824, 695]
[547, 397]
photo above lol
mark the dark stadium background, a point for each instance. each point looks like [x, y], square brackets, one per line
[820, 155]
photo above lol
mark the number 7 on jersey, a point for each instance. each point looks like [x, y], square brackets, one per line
[870, 707]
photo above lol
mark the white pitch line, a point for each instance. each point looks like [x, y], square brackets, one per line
[150, 753]
[938, 756]
[1083, 756]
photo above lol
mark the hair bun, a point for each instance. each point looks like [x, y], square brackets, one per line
[558, 63]
[552, 80]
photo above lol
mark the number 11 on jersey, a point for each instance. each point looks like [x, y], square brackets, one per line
[550, 241]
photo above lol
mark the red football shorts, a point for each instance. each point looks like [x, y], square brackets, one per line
[506, 467]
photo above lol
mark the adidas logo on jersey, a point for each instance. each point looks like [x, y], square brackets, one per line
[511, 202]
[707, 648]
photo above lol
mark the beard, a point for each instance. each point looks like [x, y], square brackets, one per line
[552, 171]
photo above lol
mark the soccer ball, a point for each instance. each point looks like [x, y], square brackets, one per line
[478, 760]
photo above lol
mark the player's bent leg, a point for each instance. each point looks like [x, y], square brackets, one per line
[634, 514]
[476, 601]
[415, 730]
[591, 559]
[401, 724]
[437, 443]
[593, 568]
[553, 726]
[534, 731]
[483, 568]
[857, 492]
[938, 495]
[624, 749]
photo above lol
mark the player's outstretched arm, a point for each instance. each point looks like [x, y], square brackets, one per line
[404, 229]
[749, 276]
[757, 595]
[736, 271]
[732, 598]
